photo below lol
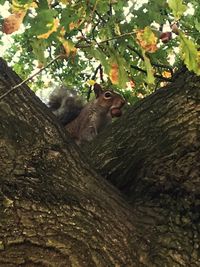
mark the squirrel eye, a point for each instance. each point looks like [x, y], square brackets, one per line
[108, 94]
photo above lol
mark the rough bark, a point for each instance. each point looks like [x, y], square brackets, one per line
[54, 209]
[153, 156]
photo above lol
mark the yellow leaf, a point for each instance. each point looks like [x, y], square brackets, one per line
[74, 25]
[117, 70]
[66, 2]
[117, 29]
[114, 73]
[91, 82]
[147, 39]
[166, 74]
[34, 5]
[62, 32]
[69, 47]
[53, 28]
[18, 7]
[40, 65]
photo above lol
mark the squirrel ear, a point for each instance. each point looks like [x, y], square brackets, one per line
[97, 90]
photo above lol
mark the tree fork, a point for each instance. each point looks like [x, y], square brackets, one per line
[55, 210]
[152, 155]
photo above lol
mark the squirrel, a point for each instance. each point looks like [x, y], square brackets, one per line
[65, 104]
[84, 122]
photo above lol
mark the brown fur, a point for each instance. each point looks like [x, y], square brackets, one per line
[96, 115]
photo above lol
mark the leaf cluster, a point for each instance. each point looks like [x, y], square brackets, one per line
[127, 39]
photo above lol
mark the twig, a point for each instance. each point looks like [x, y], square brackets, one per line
[155, 75]
[93, 77]
[101, 73]
[152, 63]
[110, 9]
[102, 19]
[107, 40]
[29, 78]
[92, 14]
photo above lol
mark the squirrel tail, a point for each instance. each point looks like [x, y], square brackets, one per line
[65, 104]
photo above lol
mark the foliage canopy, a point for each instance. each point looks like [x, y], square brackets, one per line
[132, 45]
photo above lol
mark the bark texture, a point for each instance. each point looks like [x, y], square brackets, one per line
[54, 209]
[152, 154]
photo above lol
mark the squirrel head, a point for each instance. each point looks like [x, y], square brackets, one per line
[110, 100]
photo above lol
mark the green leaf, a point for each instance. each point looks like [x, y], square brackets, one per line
[119, 65]
[178, 8]
[87, 23]
[23, 2]
[107, 63]
[118, 5]
[43, 4]
[99, 55]
[38, 49]
[197, 25]
[102, 6]
[67, 18]
[189, 54]
[150, 77]
[40, 23]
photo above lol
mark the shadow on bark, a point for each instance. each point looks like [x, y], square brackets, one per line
[56, 211]
[152, 155]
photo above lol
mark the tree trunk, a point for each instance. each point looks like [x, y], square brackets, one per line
[55, 210]
[152, 154]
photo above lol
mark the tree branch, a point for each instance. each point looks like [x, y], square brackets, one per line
[153, 64]
[30, 77]
[107, 40]
[155, 75]
[134, 50]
